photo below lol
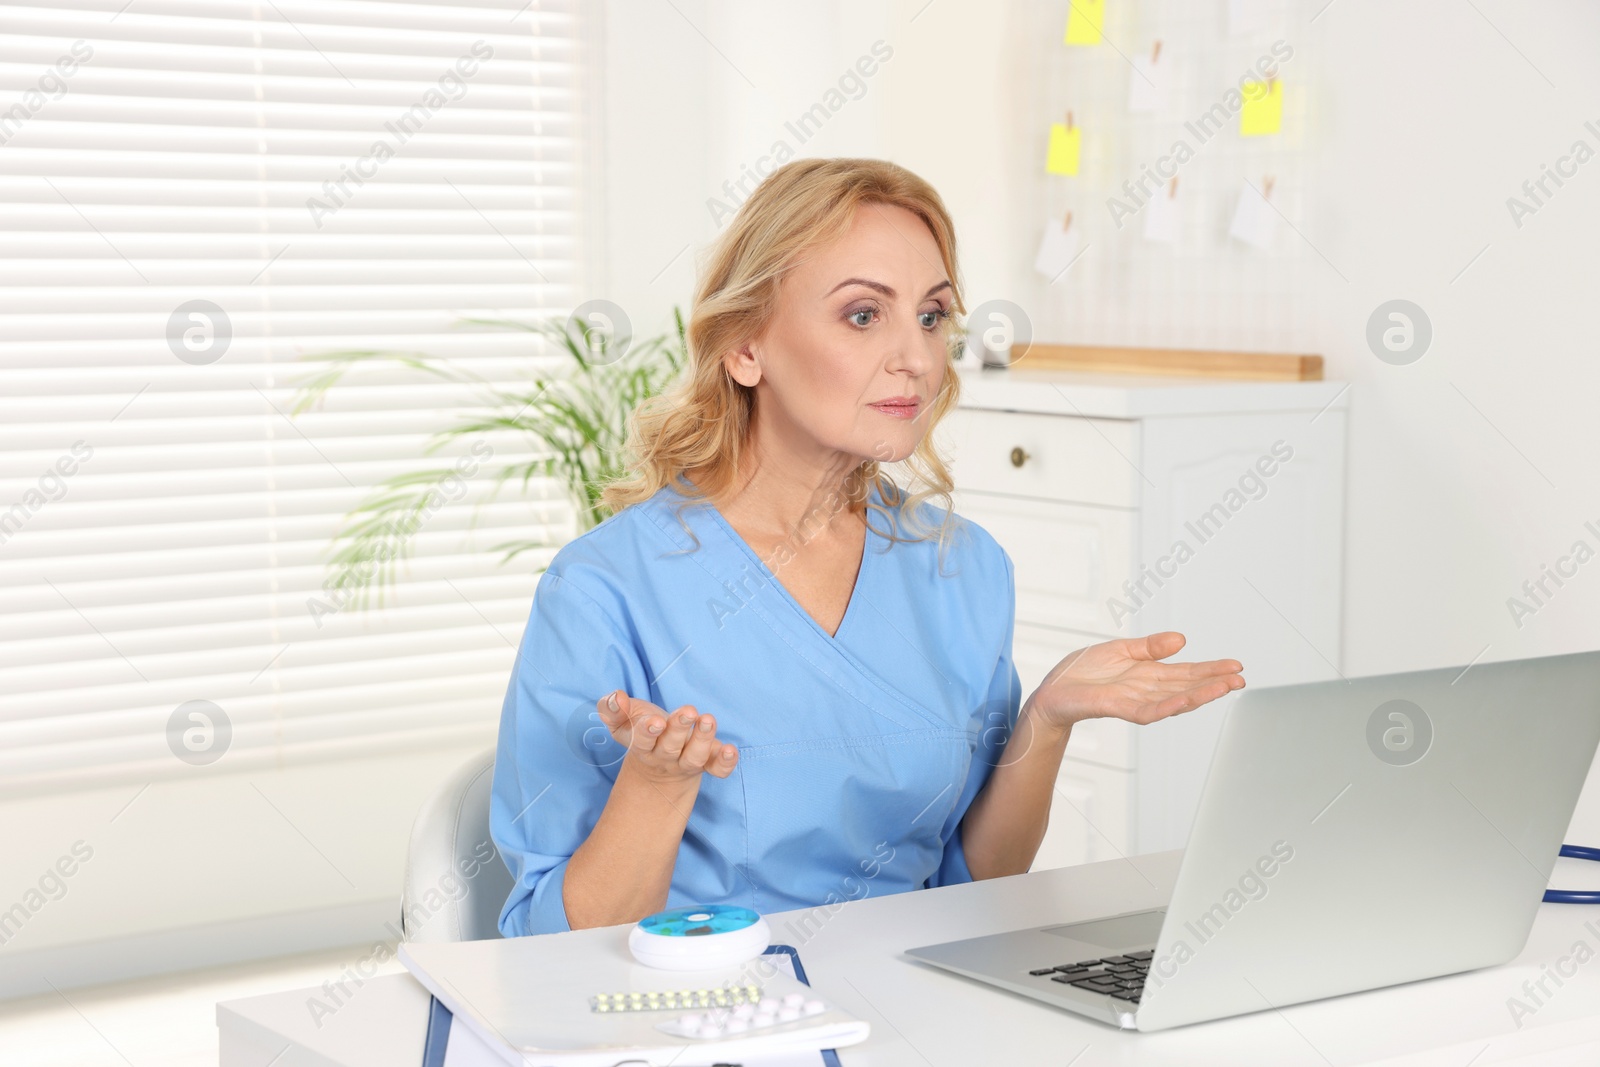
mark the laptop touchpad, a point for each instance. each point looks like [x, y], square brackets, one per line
[1123, 931]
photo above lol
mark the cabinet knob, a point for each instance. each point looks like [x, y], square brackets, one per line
[1018, 457]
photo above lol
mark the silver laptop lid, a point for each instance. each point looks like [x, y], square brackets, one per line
[1355, 834]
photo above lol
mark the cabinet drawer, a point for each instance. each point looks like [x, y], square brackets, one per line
[1069, 559]
[1075, 460]
[1108, 742]
[1091, 817]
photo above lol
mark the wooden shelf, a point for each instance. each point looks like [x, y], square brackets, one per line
[1190, 363]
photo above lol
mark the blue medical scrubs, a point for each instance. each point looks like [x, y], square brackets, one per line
[858, 753]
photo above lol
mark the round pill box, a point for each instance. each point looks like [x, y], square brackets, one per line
[699, 938]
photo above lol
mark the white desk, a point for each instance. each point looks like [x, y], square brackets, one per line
[922, 1017]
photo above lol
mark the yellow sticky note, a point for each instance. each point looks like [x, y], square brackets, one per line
[1063, 155]
[1084, 19]
[1263, 108]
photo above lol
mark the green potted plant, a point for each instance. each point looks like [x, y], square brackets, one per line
[576, 416]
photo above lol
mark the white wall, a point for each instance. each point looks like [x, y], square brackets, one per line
[1474, 466]
[699, 96]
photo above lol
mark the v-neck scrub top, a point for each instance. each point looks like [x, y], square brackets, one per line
[858, 753]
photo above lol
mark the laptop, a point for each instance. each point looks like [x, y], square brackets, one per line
[1350, 835]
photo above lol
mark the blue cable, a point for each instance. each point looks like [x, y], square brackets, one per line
[1575, 896]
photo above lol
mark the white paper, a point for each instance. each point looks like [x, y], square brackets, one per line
[1248, 16]
[1161, 217]
[1254, 220]
[1147, 85]
[1057, 249]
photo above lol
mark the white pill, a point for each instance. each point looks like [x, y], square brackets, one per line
[794, 1000]
[768, 1004]
[788, 1015]
[813, 1007]
[711, 1030]
[744, 1011]
[737, 1026]
[764, 1018]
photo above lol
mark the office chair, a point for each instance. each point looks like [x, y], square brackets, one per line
[455, 882]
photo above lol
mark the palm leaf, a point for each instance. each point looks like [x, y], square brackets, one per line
[576, 416]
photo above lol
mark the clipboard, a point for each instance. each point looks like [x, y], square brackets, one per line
[437, 1040]
[830, 1057]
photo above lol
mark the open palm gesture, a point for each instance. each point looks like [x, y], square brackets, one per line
[1125, 679]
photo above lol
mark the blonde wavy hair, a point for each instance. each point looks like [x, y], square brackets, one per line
[692, 435]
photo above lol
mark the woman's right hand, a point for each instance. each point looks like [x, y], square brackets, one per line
[669, 749]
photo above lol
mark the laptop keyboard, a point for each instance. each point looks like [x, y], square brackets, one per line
[1121, 977]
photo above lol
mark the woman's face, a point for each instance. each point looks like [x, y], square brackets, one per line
[856, 350]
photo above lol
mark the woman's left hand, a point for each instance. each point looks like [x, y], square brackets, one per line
[1125, 679]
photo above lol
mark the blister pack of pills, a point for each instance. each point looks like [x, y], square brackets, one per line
[675, 999]
[744, 1019]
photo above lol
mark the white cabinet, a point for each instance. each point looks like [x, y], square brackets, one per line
[1131, 505]
[1069, 558]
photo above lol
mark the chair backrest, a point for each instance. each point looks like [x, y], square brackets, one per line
[456, 882]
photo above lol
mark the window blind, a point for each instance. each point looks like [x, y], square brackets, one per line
[197, 196]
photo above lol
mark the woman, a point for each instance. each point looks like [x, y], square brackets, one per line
[836, 650]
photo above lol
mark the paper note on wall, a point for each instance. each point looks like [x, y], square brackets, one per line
[1254, 220]
[1263, 108]
[1147, 88]
[1084, 19]
[1161, 216]
[1062, 158]
[1058, 248]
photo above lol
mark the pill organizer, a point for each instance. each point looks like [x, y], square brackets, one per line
[744, 1019]
[699, 937]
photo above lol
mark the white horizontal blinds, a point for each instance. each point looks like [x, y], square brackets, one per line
[337, 174]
